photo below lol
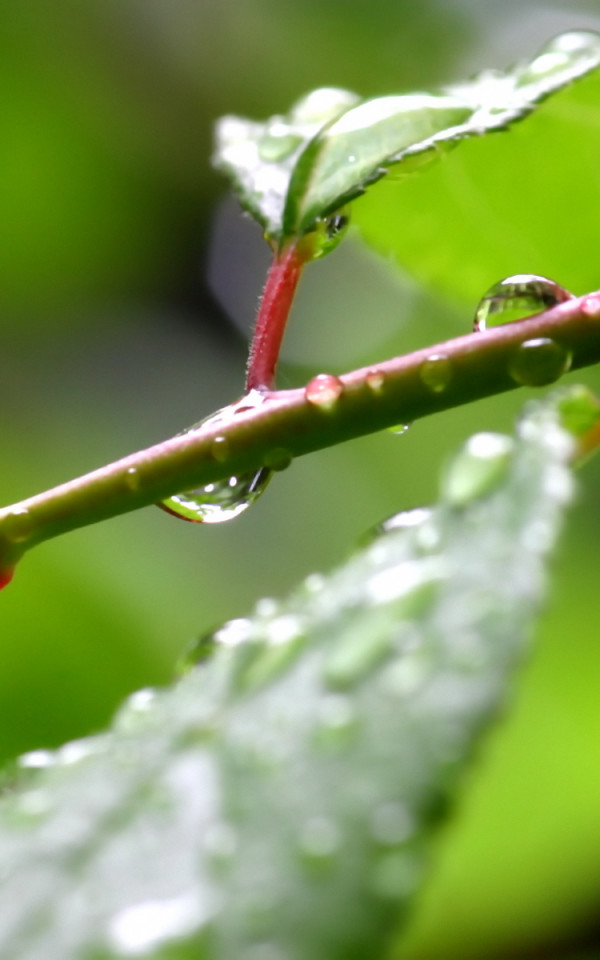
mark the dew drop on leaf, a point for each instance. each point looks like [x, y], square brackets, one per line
[324, 391]
[567, 51]
[516, 297]
[536, 363]
[328, 233]
[478, 468]
[436, 372]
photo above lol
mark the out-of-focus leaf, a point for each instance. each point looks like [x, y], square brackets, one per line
[279, 800]
[293, 170]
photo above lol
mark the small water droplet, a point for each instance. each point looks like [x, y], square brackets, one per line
[324, 391]
[319, 842]
[219, 449]
[536, 363]
[37, 760]
[395, 876]
[516, 297]
[436, 372]
[17, 525]
[278, 459]
[399, 428]
[406, 519]
[277, 144]
[355, 655]
[391, 824]
[375, 380]
[336, 722]
[573, 51]
[222, 500]
[321, 105]
[478, 468]
[591, 306]
[132, 479]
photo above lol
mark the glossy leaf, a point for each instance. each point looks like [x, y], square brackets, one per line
[291, 171]
[280, 799]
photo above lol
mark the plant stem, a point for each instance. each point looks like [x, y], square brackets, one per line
[288, 425]
[280, 286]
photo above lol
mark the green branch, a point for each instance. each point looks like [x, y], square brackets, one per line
[288, 424]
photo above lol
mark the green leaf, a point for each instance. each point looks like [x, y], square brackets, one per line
[499, 206]
[293, 171]
[279, 801]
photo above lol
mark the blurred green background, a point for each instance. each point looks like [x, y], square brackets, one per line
[128, 282]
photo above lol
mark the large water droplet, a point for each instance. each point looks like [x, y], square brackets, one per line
[324, 391]
[479, 467]
[222, 500]
[516, 297]
[436, 372]
[17, 525]
[536, 363]
[322, 105]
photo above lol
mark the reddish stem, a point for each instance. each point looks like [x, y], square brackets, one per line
[280, 286]
[6, 576]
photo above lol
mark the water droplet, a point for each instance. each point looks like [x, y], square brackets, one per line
[406, 519]
[436, 372]
[324, 391]
[197, 651]
[395, 876]
[355, 655]
[17, 525]
[37, 760]
[375, 380]
[319, 842]
[574, 51]
[579, 410]
[322, 105]
[328, 232]
[478, 468]
[222, 500]
[75, 751]
[591, 306]
[132, 478]
[278, 143]
[391, 824]
[278, 459]
[399, 428]
[536, 363]
[336, 722]
[219, 449]
[143, 928]
[410, 585]
[516, 297]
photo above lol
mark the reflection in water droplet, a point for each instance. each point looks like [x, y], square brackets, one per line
[478, 468]
[516, 297]
[17, 525]
[319, 841]
[223, 499]
[375, 380]
[436, 372]
[324, 391]
[536, 363]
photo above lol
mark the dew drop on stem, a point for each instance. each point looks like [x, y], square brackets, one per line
[324, 391]
[516, 297]
[221, 500]
[436, 372]
[538, 362]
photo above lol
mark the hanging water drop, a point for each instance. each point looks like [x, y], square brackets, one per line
[132, 479]
[328, 232]
[221, 500]
[536, 363]
[323, 391]
[436, 372]
[516, 297]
